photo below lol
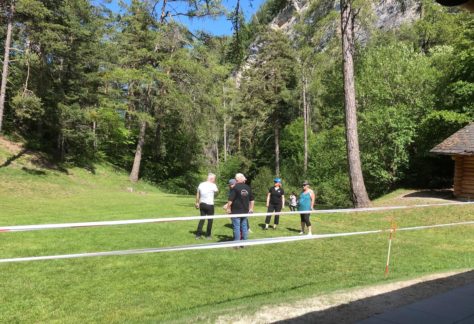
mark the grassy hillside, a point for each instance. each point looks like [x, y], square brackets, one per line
[196, 285]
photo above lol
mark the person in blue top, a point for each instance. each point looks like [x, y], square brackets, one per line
[306, 203]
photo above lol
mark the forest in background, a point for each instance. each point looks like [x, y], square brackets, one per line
[87, 85]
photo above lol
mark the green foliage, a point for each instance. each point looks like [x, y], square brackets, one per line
[228, 169]
[261, 182]
[335, 192]
[327, 168]
[82, 79]
[267, 95]
[427, 169]
[28, 107]
[386, 136]
[76, 138]
[436, 127]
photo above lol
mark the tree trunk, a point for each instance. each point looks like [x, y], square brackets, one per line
[217, 150]
[138, 154]
[94, 131]
[6, 60]
[305, 126]
[225, 124]
[225, 142]
[277, 150]
[359, 193]
[239, 138]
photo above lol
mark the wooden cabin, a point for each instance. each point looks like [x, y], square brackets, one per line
[460, 146]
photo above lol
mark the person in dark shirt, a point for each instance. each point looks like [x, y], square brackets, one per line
[275, 203]
[241, 201]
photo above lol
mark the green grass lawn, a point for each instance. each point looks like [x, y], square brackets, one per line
[195, 285]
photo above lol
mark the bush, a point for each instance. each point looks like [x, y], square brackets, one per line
[228, 169]
[335, 192]
[260, 184]
[182, 185]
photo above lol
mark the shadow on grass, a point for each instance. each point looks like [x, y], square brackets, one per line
[224, 238]
[293, 229]
[365, 308]
[437, 194]
[34, 171]
[38, 160]
[13, 158]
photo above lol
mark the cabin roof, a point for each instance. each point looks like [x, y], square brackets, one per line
[460, 143]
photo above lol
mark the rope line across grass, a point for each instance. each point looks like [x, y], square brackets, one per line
[223, 244]
[24, 228]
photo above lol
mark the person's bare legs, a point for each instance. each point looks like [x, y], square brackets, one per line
[302, 227]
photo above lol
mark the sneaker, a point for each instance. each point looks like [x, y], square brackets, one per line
[208, 237]
[301, 233]
[250, 231]
[274, 227]
[310, 233]
[265, 228]
[198, 237]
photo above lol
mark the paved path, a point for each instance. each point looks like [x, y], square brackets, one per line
[454, 306]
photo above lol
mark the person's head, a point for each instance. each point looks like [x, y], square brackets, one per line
[232, 183]
[277, 182]
[240, 178]
[305, 185]
[293, 193]
[211, 177]
[466, 4]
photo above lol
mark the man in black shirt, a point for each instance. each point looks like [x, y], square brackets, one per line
[241, 201]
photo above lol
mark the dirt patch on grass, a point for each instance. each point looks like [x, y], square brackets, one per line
[28, 160]
[356, 304]
[9, 146]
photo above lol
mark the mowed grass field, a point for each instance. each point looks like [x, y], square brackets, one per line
[193, 286]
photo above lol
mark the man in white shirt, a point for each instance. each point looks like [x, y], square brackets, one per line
[205, 202]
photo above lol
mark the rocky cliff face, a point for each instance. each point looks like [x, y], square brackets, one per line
[387, 14]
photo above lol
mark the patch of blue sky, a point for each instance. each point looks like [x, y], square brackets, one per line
[218, 26]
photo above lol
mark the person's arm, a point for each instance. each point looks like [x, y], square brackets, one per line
[282, 201]
[197, 199]
[251, 202]
[313, 198]
[230, 200]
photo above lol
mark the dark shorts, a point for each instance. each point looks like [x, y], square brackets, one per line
[305, 219]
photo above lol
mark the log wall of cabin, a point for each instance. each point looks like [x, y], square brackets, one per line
[464, 177]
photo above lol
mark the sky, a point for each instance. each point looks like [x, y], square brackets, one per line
[215, 26]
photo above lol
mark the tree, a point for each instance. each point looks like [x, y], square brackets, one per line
[267, 90]
[9, 7]
[359, 192]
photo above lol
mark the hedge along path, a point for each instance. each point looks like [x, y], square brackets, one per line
[233, 243]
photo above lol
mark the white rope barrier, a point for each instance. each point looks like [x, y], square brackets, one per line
[221, 245]
[24, 228]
